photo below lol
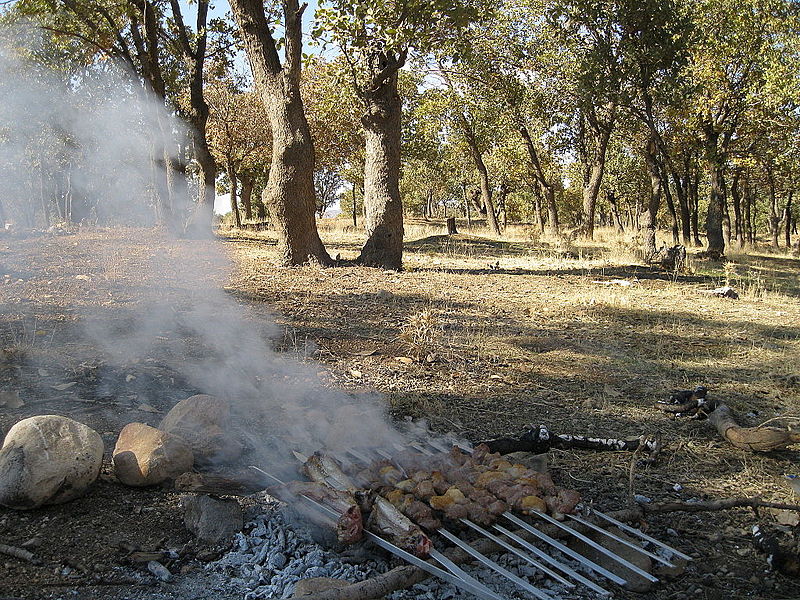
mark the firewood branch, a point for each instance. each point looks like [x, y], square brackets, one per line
[714, 505]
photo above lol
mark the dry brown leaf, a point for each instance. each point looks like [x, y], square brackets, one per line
[787, 517]
[404, 359]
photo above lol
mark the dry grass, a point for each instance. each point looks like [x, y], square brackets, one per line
[530, 330]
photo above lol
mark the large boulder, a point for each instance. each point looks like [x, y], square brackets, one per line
[48, 459]
[146, 456]
[205, 424]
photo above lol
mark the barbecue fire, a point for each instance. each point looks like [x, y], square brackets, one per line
[412, 493]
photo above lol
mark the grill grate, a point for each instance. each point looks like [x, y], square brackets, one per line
[533, 555]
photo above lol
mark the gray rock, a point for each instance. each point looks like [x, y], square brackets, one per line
[204, 423]
[211, 520]
[48, 459]
[159, 571]
[277, 561]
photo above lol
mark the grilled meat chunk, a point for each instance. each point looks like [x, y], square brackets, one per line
[387, 521]
[349, 526]
[322, 468]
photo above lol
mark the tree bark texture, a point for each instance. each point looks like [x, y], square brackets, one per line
[716, 204]
[289, 193]
[736, 196]
[595, 163]
[649, 215]
[382, 206]
[237, 218]
[787, 220]
[247, 195]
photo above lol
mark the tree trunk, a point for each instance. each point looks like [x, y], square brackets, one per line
[670, 204]
[483, 174]
[247, 195]
[748, 216]
[787, 220]
[237, 218]
[649, 215]
[617, 220]
[682, 193]
[726, 215]
[774, 214]
[466, 205]
[695, 204]
[355, 209]
[546, 188]
[738, 230]
[289, 193]
[716, 204]
[594, 168]
[200, 222]
[538, 213]
[501, 204]
[382, 205]
[451, 226]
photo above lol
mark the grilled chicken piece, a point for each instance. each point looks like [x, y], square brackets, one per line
[349, 526]
[323, 469]
[387, 521]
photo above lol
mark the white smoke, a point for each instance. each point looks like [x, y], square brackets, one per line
[98, 125]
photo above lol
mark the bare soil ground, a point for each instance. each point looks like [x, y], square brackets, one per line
[479, 336]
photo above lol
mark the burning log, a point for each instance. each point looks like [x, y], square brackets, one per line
[540, 439]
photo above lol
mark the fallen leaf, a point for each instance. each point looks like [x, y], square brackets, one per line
[787, 517]
[63, 386]
[496, 377]
[609, 391]
[11, 400]
[405, 360]
[83, 277]
[356, 374]
[147, 408]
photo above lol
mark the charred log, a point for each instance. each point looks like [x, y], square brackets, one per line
[780, 559]
[540, 439]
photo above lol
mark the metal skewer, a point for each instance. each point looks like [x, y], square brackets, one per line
[495, 567]
[599, 547]
[640, 534]
[620, 540]
[519, 553]
[547, 558]
[479, 590]
[569, 552]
